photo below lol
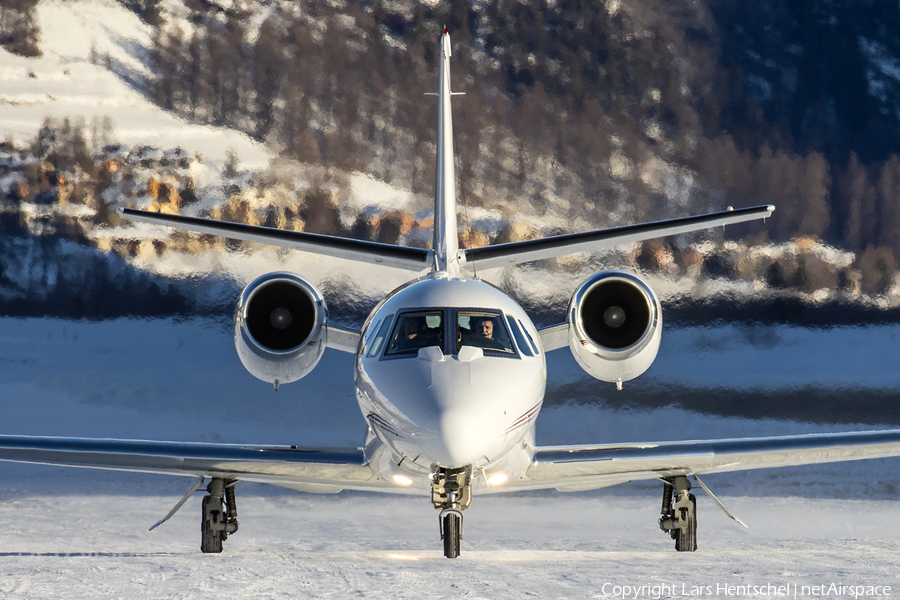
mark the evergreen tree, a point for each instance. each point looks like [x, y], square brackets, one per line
[19, 30]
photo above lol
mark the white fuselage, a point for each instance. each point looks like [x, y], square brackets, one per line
[453, 398]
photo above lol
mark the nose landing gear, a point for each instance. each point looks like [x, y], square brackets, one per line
[451, 493]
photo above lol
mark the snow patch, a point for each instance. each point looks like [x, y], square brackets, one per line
[64, 83]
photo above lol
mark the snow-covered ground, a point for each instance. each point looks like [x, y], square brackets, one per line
[83, 534]
[96, 545]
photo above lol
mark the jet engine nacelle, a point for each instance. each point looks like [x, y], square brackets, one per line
[615, 325]
[279, 327]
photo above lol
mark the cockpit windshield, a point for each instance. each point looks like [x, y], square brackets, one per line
[415, 330]
[482, 329]
[479, 328]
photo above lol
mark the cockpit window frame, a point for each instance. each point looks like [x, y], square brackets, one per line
[517, 335]
[382, 332]
[530, 339]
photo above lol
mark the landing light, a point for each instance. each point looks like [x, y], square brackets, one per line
[402, 480]
[497, 479]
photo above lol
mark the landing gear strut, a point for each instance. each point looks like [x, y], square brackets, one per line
[679, 513]
[451, 493]
[219, 515]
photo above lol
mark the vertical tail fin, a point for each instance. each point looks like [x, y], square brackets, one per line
[446, 240]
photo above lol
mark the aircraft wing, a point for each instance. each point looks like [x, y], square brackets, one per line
[488, 257]
[309, 469]
[576, 468]
[412, 259]
[555, 337]
[341, 338]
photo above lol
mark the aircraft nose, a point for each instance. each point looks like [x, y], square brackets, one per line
[464, 439]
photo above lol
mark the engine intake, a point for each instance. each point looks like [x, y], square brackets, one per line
[279, 327]
[615, 325]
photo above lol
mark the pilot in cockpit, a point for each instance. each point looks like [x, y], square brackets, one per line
[481, 335]
[414, 333]
[484, 327]
[412, 327]
[410, 339]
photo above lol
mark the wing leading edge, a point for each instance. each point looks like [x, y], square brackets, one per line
[420, 259]
[566, 468]
[575, 468]
[309, 469]
[488, 257]
[413, 259]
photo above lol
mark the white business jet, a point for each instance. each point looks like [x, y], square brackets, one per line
[450, 375]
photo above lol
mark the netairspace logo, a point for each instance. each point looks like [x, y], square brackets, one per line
[724, 590]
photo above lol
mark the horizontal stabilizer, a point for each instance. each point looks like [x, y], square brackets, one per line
[413, 259]
[488, 257]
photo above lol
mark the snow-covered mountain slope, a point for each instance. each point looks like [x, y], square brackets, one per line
[94, 66]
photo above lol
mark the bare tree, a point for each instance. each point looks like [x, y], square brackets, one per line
[858, 198]
[889, 201]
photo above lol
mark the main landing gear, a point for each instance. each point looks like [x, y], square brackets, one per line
[679, 513]
[451, 493]
[219, 517]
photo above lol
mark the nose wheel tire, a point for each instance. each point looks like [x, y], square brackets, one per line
[451, 493]
[451, 532]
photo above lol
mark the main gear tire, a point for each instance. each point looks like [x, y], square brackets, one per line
[686, 537]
